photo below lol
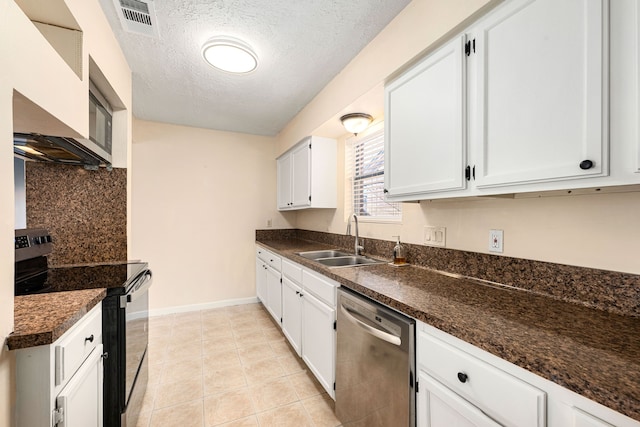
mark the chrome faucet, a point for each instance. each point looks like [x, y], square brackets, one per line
[357, 247]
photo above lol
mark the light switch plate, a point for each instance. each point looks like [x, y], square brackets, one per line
[496, 240]
[435, 236]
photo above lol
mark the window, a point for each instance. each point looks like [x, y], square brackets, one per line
[365, 176]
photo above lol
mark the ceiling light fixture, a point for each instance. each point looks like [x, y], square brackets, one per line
[356, 122]
[230, 55]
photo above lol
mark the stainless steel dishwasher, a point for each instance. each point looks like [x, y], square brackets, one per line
[375, 364]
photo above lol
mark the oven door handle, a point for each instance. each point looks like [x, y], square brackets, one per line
[142, 285]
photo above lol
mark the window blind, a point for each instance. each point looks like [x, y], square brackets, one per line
[365, 173]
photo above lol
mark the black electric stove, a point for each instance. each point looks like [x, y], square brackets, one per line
[116, 278]
[124, 316]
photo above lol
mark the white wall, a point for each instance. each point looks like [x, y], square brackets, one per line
[198, 197]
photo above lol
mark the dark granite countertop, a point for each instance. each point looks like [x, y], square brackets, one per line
[592, 352]
[41, 319]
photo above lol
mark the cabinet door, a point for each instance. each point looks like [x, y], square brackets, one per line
[80, 401]
[437, 406]
[541, 112]
[261, 281]
[319, 340]
[301, 177]
[292, 313]
[583, 419]
[284, 171]
[274, 294]
[424, 131]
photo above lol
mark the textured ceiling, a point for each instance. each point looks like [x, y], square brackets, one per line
[301, 46]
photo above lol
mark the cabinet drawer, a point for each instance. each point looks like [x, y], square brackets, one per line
[76, 344]
[292, 271]
[275, 262]
[320, 286]
[269, 258]
[262, 253]
[503, 397]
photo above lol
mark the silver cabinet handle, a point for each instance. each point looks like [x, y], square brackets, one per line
[385, 336]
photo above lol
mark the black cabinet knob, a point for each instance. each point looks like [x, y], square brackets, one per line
[90, 339]
[586, 164]
[385, 191]
[462, 377]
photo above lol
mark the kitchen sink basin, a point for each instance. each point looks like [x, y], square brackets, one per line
[348, 261]
[335, 258]
[314, 255]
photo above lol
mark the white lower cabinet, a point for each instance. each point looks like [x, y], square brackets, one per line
[319, 340]
[439, 406]
[464, 386]
[261, 280]
[582, 419]
[61, 384]
[268, 282]
[80, 402]
[308, 320]
[292, 313]
[274, 294]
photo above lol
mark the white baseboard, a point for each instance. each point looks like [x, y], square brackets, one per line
[205, 306]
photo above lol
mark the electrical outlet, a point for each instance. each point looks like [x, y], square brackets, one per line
[269, 223]
[435, 236]
[496, 240]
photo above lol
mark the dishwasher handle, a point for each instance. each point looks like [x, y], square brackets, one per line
[352, 316]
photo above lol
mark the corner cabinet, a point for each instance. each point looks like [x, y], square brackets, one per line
[307, 175]
[519, 103]
[61, 384]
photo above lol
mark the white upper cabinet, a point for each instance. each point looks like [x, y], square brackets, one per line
[284, 168]
[535, 96]
[307, 175]
[301, 173]
[540, 83]
[425, 123]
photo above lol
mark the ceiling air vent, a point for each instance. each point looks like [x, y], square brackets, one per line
[138, 16]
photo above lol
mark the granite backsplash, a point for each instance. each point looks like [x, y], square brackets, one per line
[85, 211]
[610, 291]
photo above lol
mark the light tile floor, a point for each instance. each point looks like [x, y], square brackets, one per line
[229, 367]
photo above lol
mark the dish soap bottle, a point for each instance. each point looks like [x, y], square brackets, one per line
[399, 256]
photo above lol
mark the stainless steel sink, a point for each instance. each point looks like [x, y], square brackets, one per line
[348, 261]
[314, 255]
[335, 258]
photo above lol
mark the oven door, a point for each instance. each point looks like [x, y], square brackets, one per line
[136, 305]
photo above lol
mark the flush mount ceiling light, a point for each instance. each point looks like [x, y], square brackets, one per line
[230, 55]
[356, 122]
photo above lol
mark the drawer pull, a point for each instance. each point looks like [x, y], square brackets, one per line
[90, 339]
[462, 377]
